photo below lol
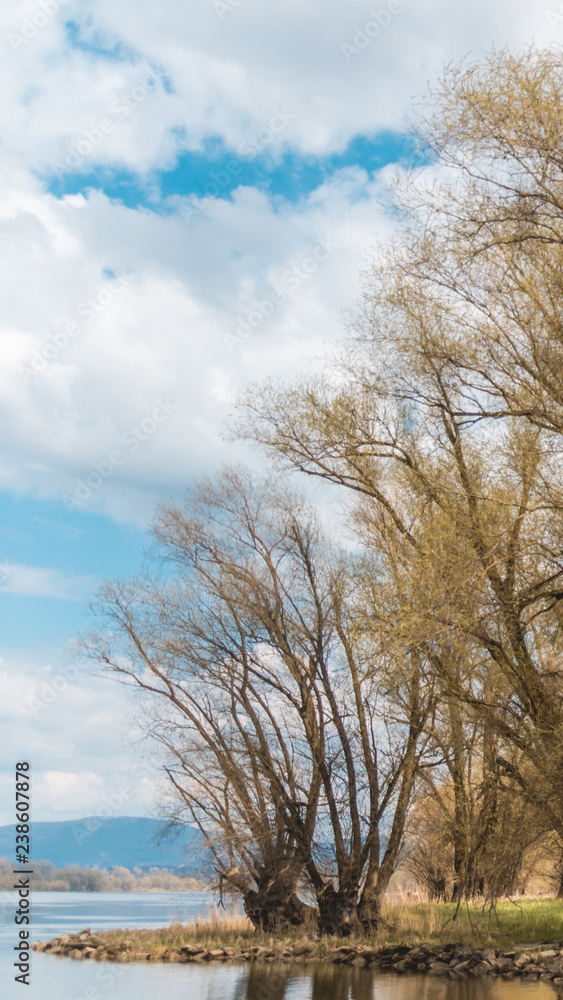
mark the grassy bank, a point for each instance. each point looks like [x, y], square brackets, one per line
[530, 921]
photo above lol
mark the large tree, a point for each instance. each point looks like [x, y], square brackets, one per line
[292, 732]
[443, 411]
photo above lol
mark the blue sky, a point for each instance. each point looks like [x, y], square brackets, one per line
[165, 170]
[74, 551]
[216, 171]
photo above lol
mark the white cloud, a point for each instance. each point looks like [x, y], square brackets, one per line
[168, 331]
[40, 581]
[224, 77]
[163, 327]
[77, 731]
[60, 791]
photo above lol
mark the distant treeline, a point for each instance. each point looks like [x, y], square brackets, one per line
[48, 878]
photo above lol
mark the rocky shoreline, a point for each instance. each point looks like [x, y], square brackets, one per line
[527, 962]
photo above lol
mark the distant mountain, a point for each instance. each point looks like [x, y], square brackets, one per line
[130, 841]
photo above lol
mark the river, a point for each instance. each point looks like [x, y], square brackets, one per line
[54, 978]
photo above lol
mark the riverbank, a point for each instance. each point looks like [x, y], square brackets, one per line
[453, 961]
[523, 941]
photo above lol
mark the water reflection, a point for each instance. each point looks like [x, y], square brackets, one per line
[327, 982]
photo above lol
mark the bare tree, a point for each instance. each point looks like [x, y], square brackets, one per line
[289, 742]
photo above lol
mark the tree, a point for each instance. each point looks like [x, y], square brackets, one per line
[289, 741]
[469, 833]
[442, 413]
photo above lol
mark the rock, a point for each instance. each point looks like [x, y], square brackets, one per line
[219, 953]
[39, 946]
[88, 952]
[481, 968]
[402, 966]
[359, 962]
[75, 953]
[437, 968]
[522, 959]
[550, 953]
[417, 954]
[463, 953]
[56, 950]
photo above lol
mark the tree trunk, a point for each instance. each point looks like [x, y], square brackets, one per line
[369, 913]
[337, 913]
[457, 766]
[276, 913]
[379, 875]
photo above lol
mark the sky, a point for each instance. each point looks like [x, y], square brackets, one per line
[188, 195]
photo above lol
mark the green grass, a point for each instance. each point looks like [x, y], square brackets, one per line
[527, 921]
[530, 921]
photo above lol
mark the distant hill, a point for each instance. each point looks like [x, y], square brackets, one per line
[130, 841]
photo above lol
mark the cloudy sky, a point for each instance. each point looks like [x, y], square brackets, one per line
[188, 192]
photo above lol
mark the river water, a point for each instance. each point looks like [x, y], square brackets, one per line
[54, 978]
